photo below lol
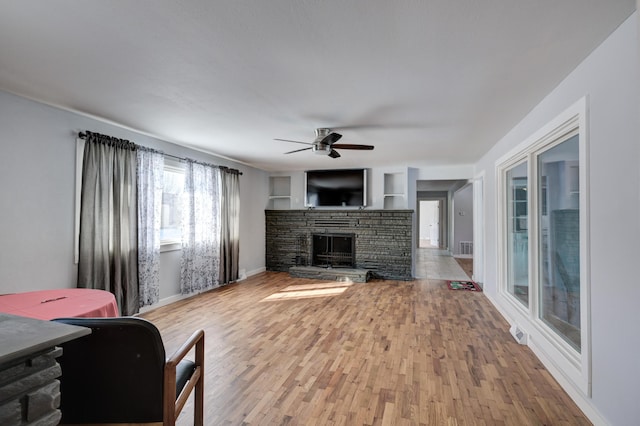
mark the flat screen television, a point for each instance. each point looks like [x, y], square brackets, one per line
[336, 188]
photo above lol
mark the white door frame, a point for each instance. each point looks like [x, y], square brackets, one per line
[478, 228]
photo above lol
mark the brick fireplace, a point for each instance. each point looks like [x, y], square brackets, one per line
[382, 240]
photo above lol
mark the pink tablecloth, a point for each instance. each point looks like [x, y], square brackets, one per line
[68, 302]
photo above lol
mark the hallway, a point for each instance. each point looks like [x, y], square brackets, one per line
[438, 264]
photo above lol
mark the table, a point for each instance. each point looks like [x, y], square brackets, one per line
[59, 303]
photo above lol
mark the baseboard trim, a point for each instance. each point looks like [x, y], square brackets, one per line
[167, 301]
[256, 271]
[178, 297]
[582, 401]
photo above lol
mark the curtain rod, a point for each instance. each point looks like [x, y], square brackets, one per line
[83, 135]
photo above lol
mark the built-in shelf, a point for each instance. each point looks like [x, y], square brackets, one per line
[394, 196]
[394, 202]
[279, 203]
[279, 192]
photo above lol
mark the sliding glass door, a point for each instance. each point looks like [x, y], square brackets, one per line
[543, 241]
[559, 239]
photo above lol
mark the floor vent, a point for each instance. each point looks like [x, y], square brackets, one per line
[518, 334]
[466, 247]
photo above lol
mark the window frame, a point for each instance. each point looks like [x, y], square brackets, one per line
[573, 365]
[174, 166]
[503, 220]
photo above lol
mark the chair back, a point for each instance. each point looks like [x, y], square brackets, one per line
[113, 375]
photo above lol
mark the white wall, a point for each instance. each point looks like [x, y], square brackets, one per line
[610, 79]
[37, 168]
[462, 217]
[375, 184]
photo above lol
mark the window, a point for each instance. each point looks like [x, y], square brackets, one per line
[559, 239]
[543, 242]
[517, 233]
[173, 186]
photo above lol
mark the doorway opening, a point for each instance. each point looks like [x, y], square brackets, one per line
[430, 223]
[444, 230]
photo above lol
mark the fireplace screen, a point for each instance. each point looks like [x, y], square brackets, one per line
[334, 250]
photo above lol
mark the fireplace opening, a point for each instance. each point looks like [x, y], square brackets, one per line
[333, 250]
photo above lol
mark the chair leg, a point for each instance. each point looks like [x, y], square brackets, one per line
[169, 402]
[198, 416]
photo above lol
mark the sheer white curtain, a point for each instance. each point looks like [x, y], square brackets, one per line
[200, 263]
[150, 172]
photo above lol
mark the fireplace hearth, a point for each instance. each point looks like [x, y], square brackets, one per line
[333, 250]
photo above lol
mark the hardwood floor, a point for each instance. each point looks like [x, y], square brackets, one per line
[466, 265]
[306, 352]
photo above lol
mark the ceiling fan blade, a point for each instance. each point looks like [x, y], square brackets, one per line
[352, 146]
[331, 138]
[297, 150]
[287, 140]
[334, 154]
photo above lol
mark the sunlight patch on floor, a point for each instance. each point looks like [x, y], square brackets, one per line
[306, 291]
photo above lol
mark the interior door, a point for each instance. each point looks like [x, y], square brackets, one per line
[430, 228]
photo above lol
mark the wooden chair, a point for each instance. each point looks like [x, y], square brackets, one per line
[119, 374]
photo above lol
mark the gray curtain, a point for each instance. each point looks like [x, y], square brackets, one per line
[200, 261]
[150, 185]
[229, 226]
[108, 220]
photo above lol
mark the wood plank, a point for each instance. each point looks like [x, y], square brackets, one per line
[385, 352]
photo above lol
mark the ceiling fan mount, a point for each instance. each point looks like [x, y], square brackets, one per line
[325, 144]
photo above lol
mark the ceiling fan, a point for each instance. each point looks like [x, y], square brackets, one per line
[325, 144]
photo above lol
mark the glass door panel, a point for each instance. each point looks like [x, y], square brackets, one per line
[517, 233]
[559, 239]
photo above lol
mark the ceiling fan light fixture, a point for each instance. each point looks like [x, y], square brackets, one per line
[321, 148]
[325, 144]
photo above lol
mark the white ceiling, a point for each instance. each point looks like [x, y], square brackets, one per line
[432, 82]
